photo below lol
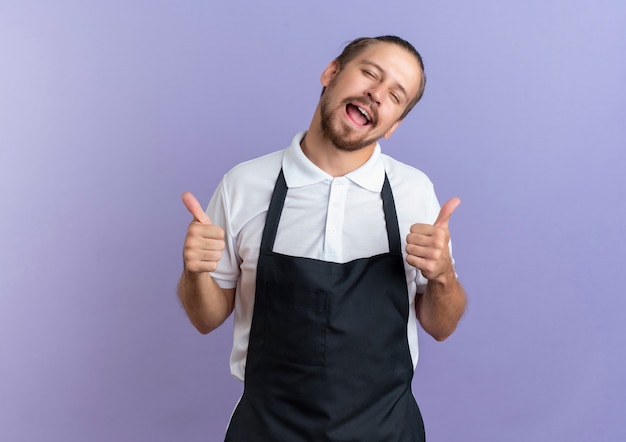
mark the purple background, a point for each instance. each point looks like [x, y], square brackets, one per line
[110, 110]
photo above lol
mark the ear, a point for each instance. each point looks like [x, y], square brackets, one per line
[392, 129]
[329, 73]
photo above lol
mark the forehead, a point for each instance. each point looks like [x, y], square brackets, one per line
[396, 62]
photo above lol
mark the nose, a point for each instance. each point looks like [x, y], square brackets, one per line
[374, 94]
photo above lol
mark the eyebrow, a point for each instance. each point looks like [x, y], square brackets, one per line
[378, 67]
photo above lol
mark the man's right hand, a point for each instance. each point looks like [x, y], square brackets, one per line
[204, 241]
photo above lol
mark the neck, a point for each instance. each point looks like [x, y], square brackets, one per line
[325, 155]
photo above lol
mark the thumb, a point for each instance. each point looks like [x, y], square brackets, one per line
[192, 204]
[446, 212]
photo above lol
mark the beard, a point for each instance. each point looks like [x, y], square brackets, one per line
[342, 136]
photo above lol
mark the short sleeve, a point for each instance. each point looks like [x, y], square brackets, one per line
[228, 270]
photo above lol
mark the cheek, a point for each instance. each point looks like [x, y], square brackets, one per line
[391, 129]
[387, 117]
[350, 87]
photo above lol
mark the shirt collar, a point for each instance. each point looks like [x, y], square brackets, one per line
[299, 171]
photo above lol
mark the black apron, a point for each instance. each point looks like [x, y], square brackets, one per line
[328, 356]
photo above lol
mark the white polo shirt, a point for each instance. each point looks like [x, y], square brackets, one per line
[331, 219]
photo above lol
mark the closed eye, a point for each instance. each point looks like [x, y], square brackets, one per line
[368, 73]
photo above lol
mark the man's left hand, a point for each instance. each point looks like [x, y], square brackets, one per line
[427, 245]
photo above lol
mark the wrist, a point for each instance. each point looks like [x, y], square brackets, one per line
[444, 279]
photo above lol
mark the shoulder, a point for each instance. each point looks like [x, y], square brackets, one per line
[403, 175]
[245, 191]
[254, 178]
[413, 192]
[251, 171]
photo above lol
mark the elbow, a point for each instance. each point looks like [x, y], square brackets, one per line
[441, 334]
[204, 329]
[440, 337]
[206, 325]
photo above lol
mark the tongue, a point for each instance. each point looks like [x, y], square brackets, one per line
[356, 115]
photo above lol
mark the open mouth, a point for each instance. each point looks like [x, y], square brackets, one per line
[359, 115]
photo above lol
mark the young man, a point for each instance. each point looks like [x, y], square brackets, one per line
[329, 253]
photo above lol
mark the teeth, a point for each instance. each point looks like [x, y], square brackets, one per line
[365, 114]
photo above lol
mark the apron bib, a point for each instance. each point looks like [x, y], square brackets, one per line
[328, 357]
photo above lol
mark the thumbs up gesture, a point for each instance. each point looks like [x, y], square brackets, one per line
[427, 245]
[204, 241]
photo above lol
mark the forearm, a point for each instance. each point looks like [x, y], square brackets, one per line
[206, 303]
[441, 307]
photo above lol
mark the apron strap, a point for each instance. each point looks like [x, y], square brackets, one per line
[273, 213]
[391, 219]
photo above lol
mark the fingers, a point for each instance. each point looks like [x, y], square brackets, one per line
[203, 247]
[429, 252]
[427, 245]
[193, 206]
[204, 241]
[446, 212]
[202, 259]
